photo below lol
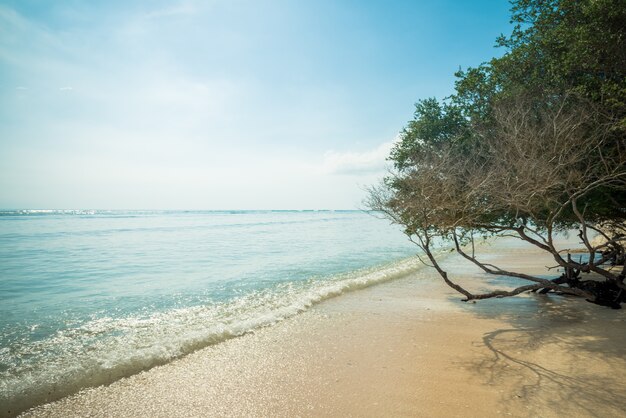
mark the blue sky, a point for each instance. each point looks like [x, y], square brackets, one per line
[220, 104]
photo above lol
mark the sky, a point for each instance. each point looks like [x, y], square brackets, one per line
[220, 104]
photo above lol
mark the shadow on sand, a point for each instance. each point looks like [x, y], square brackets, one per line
[560, 356]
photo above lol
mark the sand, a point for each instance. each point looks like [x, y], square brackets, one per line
[404, 348]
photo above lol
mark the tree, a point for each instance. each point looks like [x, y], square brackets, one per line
[556, 45]
[528, 146]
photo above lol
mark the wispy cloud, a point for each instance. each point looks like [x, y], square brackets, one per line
[355, 163]
[183, 8]
[208, 103]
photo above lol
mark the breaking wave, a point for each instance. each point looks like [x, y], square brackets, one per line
[105, 349]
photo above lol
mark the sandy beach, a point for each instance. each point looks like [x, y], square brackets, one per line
[225, 209]
[408, 347]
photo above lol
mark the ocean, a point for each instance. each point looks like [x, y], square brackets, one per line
[90, 296]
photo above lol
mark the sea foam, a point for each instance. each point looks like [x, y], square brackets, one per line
[105, 349]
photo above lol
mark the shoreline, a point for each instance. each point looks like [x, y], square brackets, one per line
[406, 347]
[302, 300]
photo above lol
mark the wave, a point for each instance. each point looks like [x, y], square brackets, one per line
[41, 212]
[133, 213]
[178, 228]
[106, 349]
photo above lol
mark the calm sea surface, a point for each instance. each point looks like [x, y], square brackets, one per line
[87, 297]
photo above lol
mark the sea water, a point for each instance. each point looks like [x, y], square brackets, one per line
[87, 297]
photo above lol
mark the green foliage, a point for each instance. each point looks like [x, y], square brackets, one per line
[556, 46]
[518, 118]
[434, 124]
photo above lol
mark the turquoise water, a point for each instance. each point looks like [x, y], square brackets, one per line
[90, 296]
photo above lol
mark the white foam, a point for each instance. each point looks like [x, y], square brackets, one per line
[106, 349]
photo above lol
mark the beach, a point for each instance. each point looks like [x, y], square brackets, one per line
[313, 209]
[407, 347]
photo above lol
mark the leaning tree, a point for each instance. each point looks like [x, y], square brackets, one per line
[532, 144]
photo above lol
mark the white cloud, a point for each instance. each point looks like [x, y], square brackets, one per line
[184, 126]
[356, 163]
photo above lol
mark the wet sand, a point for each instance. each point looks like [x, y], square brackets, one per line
[404, 348]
